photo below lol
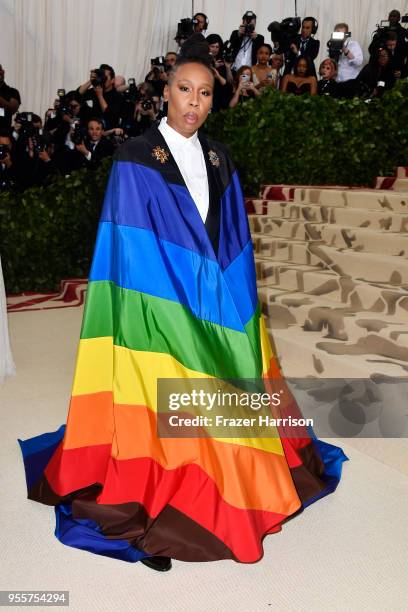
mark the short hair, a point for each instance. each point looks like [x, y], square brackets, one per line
[97, 119]
[268, 46]
[6, 133]
[195, 50]
[171, 53]
[391, 35]
[396, 13]
[109, 68]
[342, 25]
[202, 15]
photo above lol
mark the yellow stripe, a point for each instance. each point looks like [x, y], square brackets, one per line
[266, 348]
[132, 376]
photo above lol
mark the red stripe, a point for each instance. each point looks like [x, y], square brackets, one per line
[187, 489]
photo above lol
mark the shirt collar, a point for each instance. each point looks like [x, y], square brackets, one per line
[173, 138]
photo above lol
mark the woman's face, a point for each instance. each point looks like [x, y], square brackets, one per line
[263, 55]
[214, 49]
[383, 58]
[302, 67]
[327, 70]
[276, 62]
[189, 94]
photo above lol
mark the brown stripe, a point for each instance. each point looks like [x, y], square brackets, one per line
[171, 533]
[307, 476]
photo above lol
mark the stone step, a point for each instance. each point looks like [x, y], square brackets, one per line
[351, 217]
[334, 235]
[325, 284]
[392, 182]
[371, 267]
[286, 192]
[305, 353]
[374, 199]
[339, 322]
[402, 172]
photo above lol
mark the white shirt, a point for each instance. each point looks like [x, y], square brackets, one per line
[189, 157]
[350, 68]
[244, 55]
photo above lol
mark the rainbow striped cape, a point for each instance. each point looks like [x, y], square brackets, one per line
[170, 297]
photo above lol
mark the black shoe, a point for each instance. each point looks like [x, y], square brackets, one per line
[160, 564]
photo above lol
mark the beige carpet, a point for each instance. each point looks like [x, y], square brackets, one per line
[347, 552]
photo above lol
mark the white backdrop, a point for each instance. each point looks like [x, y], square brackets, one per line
[47, 44]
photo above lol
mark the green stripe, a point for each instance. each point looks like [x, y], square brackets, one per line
[144, 322]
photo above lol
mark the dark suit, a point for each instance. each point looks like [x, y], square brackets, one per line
[236, 41]
[308, 48]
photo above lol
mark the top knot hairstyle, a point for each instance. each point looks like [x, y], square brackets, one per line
[195, 50]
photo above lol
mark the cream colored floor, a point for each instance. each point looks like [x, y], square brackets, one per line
[348, 552]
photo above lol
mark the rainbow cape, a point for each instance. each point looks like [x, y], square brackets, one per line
[170, 297]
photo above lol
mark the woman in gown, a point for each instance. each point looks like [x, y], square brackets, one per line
[6, 358]
[172, 295]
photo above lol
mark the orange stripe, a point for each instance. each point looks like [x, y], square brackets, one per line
[245, 477]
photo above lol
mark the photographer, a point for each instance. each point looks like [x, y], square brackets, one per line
[9, 101]
[383, 31]
[350, 56]
[158, 75]
[200, 21]
[222, 71]
[8, 180]
[70, 111]
[95, 146]
[244, 87]
[304, 45]
[101, 92]
[377, 76]
[146, 109]
[245, 42]
[398, 58]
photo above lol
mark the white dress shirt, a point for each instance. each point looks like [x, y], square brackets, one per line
[244, 55]
[189, 157]
[350, 68]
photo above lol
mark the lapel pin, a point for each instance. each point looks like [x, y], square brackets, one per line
[160, 154]
[214, 159]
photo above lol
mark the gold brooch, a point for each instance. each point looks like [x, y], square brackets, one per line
[214, 159]
[160, 154]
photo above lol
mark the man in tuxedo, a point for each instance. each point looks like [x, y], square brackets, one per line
[245, 42]
[304, 45]
[398, 57]
[95, 146]
[9, 101]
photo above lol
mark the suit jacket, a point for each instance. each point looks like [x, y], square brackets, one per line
[310, 50]
[236, 42]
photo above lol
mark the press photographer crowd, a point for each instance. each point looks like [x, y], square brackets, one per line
[83, 126]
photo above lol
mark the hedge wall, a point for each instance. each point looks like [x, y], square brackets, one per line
[281, 138]
[47, 234]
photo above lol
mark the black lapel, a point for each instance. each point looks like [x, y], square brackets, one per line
[212, 222]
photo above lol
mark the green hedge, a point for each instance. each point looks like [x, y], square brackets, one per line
[47, 234]
[280, 138]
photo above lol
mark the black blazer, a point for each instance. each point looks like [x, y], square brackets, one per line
[311, 50]
[236, 42]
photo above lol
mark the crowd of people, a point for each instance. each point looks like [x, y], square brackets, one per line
[85, 125]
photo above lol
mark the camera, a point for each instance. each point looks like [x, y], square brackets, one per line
[4, 151]
[60, 93]
[27, 129]
[78, 135]
[185, 28]
[132, 94]
[147, 104]
[249, 27]
[284, 32]
[336, 43]
[159, 62]
[40, 143]
[98, 77]
[227, 52]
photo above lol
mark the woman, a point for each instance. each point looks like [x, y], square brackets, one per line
[244, 88]
[327, 86]
[378, 75]
[222, 72]
[6, 358]
[172, 298]
[263, 74]
[302, 80]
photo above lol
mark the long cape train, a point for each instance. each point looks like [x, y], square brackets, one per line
[170, 296]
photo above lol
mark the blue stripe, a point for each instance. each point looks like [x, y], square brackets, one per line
[137, 259]
[241, 280]
[138, 196]
[37, 453]
[234, 230]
